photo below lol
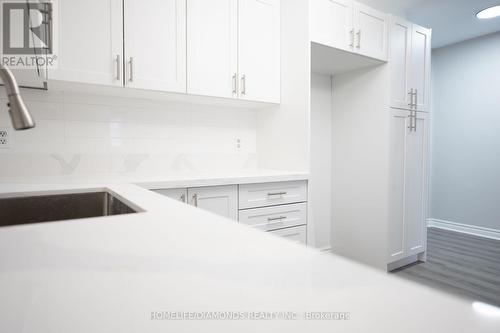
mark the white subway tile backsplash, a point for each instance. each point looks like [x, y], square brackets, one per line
[84, 133]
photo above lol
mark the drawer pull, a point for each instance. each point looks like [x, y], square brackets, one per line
[272, 219]
[276, 193]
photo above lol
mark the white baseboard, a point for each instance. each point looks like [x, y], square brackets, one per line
[464, 228]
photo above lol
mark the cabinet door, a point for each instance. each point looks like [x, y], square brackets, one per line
[416, 185]
[408, 185]
[155, 44]
[331, 23]
[89, 41]
[212, 47]
[396, 229]
[421, 66]
[259, 50]
[179, 194]
[400, 52]
[221, 200]
[370, 28]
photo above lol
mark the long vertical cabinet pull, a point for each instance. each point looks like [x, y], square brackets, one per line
[410, 104]
[118, 68]
[415, 106]
[359, 39]
[352, 38]
[235, 84]
[243, 85]
[131, 69]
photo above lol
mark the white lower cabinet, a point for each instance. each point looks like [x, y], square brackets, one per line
[279, 208]
[296, 234]
[220, 200]
[407, 225]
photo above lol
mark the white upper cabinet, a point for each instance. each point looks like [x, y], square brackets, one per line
[259, 50]
[349, 26]
[233, 49]
[89, 41]
[420, 71]
[410, 60]
[212, 47]
[400, 53]
[155, 44]
[370, 30]
[332, 23]
[219, 48]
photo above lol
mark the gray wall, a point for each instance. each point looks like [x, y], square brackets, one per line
[465, 172]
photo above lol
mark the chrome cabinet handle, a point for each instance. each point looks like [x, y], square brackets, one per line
[235, 83]
[183, 198]
[276, 193]
[410, 127]
[413, 98]
[195, 199]
[271, 219]
[410, 103]
[413, 121]
[243, 85]
[352, 38]
[118, 68]
[131, 74]
[359, 39]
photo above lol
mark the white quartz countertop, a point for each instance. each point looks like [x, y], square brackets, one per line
[114, 274]
[154, 181]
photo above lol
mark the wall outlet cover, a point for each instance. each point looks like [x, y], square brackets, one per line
[4, 138]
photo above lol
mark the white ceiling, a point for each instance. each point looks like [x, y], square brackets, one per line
[452, 21]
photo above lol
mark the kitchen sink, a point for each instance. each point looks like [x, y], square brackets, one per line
[48, 208]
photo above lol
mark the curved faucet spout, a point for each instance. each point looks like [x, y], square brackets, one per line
[19, 113]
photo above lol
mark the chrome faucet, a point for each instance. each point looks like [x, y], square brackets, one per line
[19, 114]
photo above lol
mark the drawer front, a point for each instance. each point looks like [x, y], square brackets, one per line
[272, 218]
[295, 234]
[270, 194]
[174, 193]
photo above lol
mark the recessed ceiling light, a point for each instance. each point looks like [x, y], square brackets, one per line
[489, 12]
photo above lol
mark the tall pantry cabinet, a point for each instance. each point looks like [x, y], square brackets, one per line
[379, 132]
[410, 61]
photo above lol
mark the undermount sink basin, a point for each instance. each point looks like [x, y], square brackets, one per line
[48, 208]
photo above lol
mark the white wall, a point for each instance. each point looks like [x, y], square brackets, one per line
[88, 134]
[465, 172]
[360, 164]
[283, 131]
[320, 181]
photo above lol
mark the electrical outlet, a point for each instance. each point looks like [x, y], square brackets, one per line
[4, 138]
[238, 144]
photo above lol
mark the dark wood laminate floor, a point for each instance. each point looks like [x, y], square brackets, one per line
[461, 264]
